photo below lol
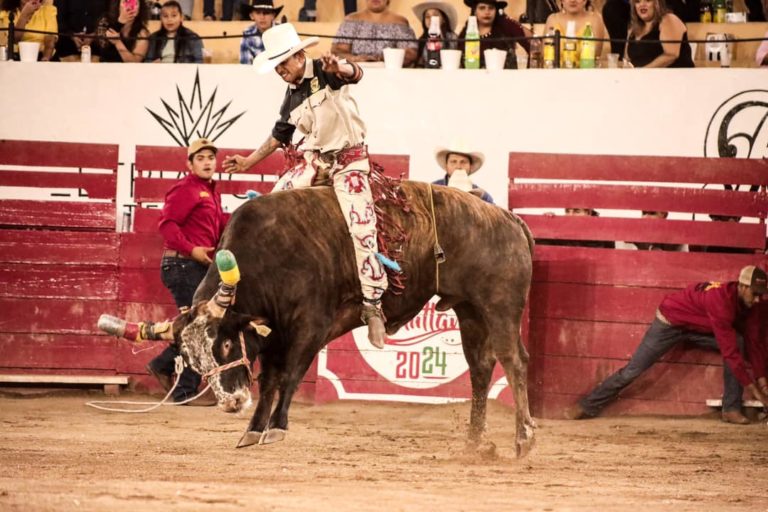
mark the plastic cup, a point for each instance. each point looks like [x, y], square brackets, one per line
[393, 58]
[612, 60]
[450, 59]
[494, 59]
[28, 51]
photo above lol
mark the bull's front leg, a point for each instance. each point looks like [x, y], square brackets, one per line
[297, 364]
[267, 389]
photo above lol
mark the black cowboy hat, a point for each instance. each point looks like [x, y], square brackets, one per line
[500, 4]
[265, 5]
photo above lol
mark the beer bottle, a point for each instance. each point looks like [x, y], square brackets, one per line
[434, 43]
[587, 56]
[569, 46]
[549, 49]
[705, 12]
[472, 45]
[720, 10]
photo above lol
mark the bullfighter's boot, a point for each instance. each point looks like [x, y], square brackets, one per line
[374, 317]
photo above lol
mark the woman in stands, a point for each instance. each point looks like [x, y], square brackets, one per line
[447, 14]
[127, 21]
[580, 12]
[380, 24]
[651, 21]
[174, 42]
[493, 23]
[31, 15]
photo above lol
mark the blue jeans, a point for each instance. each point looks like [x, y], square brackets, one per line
[657, 341]
[181, 276]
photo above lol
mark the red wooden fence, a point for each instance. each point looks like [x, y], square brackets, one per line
[589, 307]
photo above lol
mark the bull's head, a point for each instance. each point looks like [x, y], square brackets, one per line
[221, 344]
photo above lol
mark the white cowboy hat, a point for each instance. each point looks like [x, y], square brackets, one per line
[280, 42]
[476, 158]
[447, 8]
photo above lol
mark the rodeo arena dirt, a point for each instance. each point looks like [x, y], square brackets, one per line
[422, 306]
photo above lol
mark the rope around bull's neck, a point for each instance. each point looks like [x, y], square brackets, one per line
[437, 241]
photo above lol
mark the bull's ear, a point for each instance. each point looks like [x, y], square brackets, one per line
[259, 325]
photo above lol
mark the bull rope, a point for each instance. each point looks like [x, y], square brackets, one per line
[439, 254]
[179, 361]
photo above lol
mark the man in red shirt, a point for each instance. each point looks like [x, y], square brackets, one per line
[191, 224]
[713, 315]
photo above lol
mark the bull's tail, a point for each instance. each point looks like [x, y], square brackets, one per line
[526, 230]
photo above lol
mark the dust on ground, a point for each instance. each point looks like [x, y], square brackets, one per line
[57, 454]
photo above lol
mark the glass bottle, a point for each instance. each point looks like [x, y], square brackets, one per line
[549, 49]
[720, 10]
[472, 45]
[587, 56]
[569, 46]
[434, 43]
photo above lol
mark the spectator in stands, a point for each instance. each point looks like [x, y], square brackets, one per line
[191, 224]
[761, 56]
[578, 212]
[31, 15]
[722, 248]
[125, 25]
[81, 18]
[447, 14]
[174, 42]
[647, 246]
[263, 14]
[458, 163]
[537, 11]
[228, 9]
[616, 19]
[580, 12]
[651, 21]
[719, 316]
[378, 22]
[493, 23]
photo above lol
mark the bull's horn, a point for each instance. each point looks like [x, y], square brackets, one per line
[230, 275]
[135, 331]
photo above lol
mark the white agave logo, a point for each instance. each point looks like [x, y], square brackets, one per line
[425, 353]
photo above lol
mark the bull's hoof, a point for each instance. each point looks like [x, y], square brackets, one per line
[273, 435]
[524, 446]
[250, 437]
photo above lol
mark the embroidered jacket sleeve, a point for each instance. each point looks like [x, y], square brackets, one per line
[721, 311]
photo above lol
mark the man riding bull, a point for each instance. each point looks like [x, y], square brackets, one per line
[317, 102]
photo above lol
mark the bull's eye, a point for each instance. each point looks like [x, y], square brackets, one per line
[226, 348]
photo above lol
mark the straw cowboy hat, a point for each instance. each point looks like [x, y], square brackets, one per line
[476, 158]
[448, 9]
[280, 42]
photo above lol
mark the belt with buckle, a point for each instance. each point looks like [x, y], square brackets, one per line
[169, 253]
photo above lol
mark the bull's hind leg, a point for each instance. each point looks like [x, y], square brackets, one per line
[504, 336]
[480, 358]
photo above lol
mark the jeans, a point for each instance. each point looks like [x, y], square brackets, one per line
[657, 341]
[227, 8]
[181, 276]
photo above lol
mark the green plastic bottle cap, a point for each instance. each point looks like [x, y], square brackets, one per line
[225, 260]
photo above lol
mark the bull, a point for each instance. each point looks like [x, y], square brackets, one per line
[299, 280]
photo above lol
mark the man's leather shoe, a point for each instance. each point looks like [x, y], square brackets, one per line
[166, 382]
[735, 417]
[575, 412]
